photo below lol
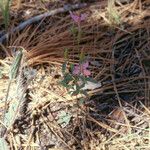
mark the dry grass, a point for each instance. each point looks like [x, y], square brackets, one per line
[115, 116]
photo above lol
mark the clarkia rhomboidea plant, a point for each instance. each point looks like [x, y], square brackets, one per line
[77, 19]
[76, 77]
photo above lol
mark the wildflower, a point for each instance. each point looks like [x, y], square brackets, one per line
[77, 19]
[82, 69]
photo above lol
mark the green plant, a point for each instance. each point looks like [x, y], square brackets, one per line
[77, 19]
[76, 77]
[64, 119]
[5, 8]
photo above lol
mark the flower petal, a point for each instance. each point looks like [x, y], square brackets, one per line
[86, 72]
[76, 70]
[85, 65]
[83, 17]
[75, 17]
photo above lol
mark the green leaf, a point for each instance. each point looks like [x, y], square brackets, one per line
[82, 78]
[15, 66]
[64, 118]
[79, 36]
[81, 101]
[91, 80]
[64, 65]
[66, 54]
[68, 77]
[82, 56]
[74, 31]
[64, 84]
[71, 67]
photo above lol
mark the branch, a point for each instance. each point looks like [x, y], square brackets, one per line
[32, 20]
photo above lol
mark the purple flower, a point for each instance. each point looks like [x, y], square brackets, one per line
[77, 19]
[82, 69]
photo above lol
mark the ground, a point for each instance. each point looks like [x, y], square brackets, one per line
[39, 112]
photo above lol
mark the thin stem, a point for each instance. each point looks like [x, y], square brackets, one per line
[6, 99]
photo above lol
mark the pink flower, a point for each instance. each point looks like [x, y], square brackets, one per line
[82, 69]
[77, 19]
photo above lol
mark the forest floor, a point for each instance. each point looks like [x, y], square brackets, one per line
[39, 113]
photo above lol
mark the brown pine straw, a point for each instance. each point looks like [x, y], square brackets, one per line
[46, 42]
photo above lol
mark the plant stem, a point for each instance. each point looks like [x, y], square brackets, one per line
[7, 94]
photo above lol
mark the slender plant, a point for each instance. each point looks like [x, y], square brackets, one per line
[77, 78]
[5, 8]
[77, 19]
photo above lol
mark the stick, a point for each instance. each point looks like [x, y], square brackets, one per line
[21, 26]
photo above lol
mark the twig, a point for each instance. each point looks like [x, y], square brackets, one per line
[101, 124]
[32, 20]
